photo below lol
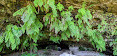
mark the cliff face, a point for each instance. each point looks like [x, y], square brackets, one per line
[8, 7]
[104, 5]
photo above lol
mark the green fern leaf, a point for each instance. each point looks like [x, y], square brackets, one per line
[54, 12]
[63, 36]
[8, 32]
[55, 39]
[70, 8]
[34, 36]
[31, 19]
[67, 32]
[65, 26]
[82, 11]
[60, 25]
[51, 3]
[46, 6]
[6, 38]
[13, 46]
[38, 2]
[19, 12]
[89, 16]
[56, 25]
[31, 9]
[79, 22]
[51, 27]
[38, 24]
[72, 28]
[1, 39]
[60, 6]
[57, 29]
[63, 14]
[11, 38]
[17, 42]
[16, 31]
[1, 47]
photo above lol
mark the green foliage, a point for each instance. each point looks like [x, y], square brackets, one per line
[114, 44]
[63, 36]
[60, 6]
[110, 27]
[56, 26]
[95, 36]
[19, 12]
[1, 39]
[28, 54]
[12, 35]
[70, 8]
[55, 39]
[38, 2]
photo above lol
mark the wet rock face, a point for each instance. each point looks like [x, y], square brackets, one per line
[104, 5]
[7, 8]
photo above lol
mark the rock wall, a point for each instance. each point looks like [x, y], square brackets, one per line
[7, 8]
[104, 5]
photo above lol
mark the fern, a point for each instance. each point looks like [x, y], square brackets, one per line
[55, 39]
[38, 3]
[19, 12]
[84, 16]
[1, 39]
[114, 44]
[12, 36]
[70, 8]
[63, 36]
[60, 6]
[57, 25]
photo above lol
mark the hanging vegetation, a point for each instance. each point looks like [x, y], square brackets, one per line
[56, 24]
